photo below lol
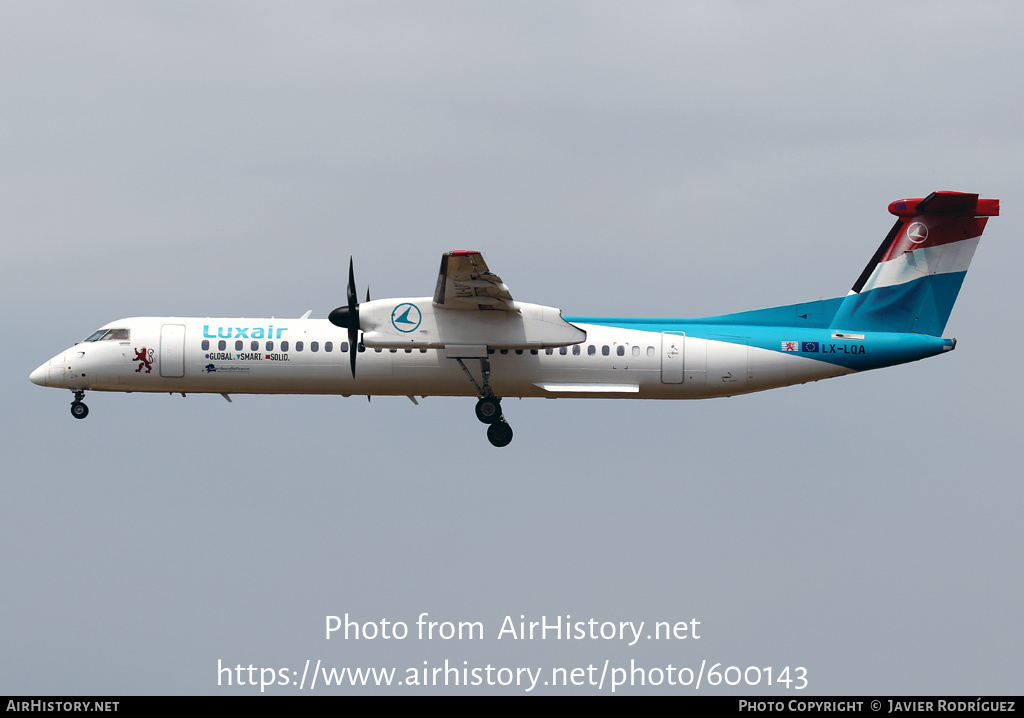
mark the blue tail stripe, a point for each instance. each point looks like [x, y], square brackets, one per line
[922, 306]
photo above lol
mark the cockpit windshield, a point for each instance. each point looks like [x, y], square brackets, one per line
[109, 334]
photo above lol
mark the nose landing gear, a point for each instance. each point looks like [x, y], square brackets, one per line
[78, 408]
[488, 408]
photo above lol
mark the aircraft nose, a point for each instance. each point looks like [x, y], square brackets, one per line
[39, 375]
[50, 373]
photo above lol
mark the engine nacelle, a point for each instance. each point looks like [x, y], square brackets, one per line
[416, 322]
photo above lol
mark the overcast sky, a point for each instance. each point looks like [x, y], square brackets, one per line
[651, 159]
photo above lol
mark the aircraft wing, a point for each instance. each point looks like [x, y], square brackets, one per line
[465, 283]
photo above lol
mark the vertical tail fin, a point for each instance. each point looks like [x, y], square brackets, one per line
[913, 279]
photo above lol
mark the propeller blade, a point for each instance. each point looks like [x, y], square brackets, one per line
[348, 316]
[352, 302]
[352, 338]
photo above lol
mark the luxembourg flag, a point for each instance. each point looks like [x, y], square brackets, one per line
[790, 346]
[911, 283]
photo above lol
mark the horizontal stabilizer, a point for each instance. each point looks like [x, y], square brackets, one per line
[959, 203]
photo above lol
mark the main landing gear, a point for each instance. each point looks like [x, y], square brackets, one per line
[488, 408]
[78, 408]
[499, 433]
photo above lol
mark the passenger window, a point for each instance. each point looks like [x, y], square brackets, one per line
[284, 345]
[575, 350]
[563, 350]
[344, 347]
[620, 350]
[549, 351]
[255, 346]
[519, 352]
[328, 346]
[408, 350]
[222, 345]
[636, 350]
[298, 346]
[604, 350]
[206, 345]
[270, 346]
[378, 349]
[423, 350]
[650, 351]
[314, 346]
[238, 345]
[504, 351]
[393, 351]
[591, 350]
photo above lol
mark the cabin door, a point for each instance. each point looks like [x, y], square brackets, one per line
[172, 350]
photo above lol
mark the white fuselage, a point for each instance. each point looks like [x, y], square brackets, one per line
[311, 356]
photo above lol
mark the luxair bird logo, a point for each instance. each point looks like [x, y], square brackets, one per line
[917, 233]
[406, 317]
[145, 358]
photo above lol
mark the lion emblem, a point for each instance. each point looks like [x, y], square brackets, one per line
[145, 358]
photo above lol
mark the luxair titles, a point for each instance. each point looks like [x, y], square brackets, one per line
[245, 333]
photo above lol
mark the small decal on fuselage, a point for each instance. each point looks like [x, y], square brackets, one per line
[210, 368]
[821, 348]
[145, 358]
[245, 356]
[843, 349]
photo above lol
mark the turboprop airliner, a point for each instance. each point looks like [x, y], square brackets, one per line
[473, 339]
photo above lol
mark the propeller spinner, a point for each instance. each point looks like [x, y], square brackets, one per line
[348, 316]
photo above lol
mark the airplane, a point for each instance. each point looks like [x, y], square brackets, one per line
[429, 346]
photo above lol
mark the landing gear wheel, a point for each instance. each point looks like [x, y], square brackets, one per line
[488, 410]
[499, 433]
[79, 410]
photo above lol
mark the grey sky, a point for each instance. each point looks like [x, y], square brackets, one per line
[654, 159]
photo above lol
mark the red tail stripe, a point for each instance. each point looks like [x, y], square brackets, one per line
[932, 231]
